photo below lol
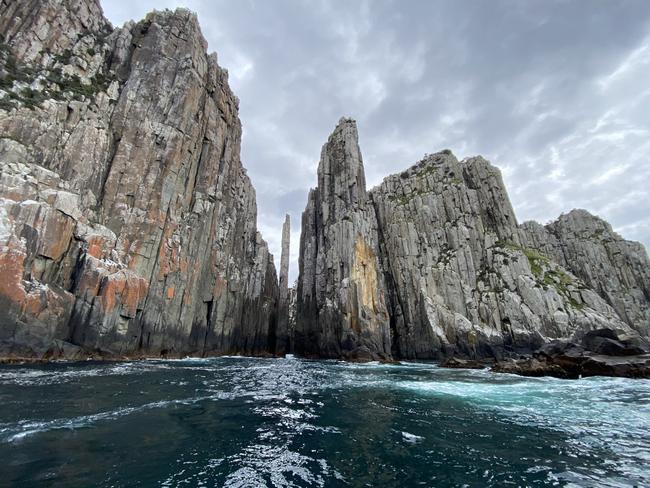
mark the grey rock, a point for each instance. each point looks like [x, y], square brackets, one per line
[462, 281]
[291, 316]
[458, 363]
[128, 220]
[602, 352]
[457, 275]
[284, 300]
[341, 308]
[616, 269]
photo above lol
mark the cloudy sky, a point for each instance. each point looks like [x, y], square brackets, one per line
[555, 93]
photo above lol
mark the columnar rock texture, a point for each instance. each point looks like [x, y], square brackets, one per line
[283, 302]
[456, 274]
[341, 296]
[127, 221]
[615, 268]
[463, 282]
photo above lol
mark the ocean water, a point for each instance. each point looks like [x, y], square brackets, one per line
[243, 422]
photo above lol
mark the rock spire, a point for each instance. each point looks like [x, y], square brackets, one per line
[341, 296]
[283, 302]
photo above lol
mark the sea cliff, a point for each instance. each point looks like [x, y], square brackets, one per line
[128, 223]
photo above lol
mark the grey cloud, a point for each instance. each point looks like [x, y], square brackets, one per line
[552, 91]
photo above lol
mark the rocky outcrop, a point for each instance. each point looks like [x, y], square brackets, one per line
[463, 281]
[128, 223]
[602, 352]
[618, 270]
[291, 316]
[341, 305]
[455, 272]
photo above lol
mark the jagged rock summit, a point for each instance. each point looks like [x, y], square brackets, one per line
[127, 221]
[432, 263]
[283, 299]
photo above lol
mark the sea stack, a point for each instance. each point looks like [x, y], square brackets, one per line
[341, 296]
[283, 301]
[432, 263]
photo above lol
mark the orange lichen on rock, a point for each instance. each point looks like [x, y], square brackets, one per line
[125, 289]
[12, 259]
[55, 235]
[12, 286]
[90, 278]
[96, 246]
[168, 255]
[364, 274]
[135, 291]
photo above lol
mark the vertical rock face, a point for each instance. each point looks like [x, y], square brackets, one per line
[453, 269]
[128, 223]
[463, 283]
[341, 295]
[283, 303]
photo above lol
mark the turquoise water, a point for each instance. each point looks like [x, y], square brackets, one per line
[240, 422]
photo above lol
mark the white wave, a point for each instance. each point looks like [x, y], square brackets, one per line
[28, 428]
[411, 438]
[31, 376]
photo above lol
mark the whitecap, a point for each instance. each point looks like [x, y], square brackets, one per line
[27, 428]
[411, 438]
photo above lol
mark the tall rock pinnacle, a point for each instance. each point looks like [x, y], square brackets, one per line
[283, 302]
[341, 308]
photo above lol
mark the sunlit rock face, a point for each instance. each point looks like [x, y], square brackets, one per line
[128, 223]
[438, 249]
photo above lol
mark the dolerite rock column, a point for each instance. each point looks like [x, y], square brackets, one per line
[283, 303]
[128, 223]
[341, 296]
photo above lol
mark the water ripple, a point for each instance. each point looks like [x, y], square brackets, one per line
[239, 422]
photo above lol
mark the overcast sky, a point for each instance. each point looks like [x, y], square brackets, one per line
[555, 93]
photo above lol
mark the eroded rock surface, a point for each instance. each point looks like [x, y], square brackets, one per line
[128, 223]
[454, 271]
[618, 270]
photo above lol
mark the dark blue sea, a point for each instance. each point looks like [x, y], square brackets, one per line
[243, 422]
